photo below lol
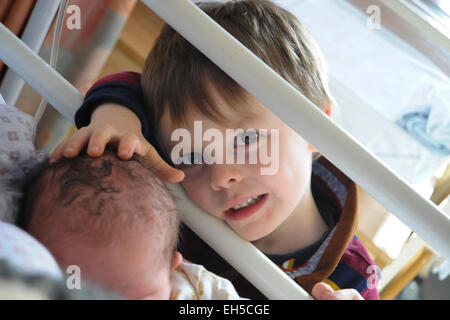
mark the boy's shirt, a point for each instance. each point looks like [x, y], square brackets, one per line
[338, 258]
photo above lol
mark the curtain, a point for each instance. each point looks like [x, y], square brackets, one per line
[14, 15]
[82, 54]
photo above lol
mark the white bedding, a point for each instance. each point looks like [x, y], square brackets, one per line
[18, 158]
[18, 162]
[25, 253]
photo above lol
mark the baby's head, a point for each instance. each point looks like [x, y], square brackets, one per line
[114, 219]
[182, 85]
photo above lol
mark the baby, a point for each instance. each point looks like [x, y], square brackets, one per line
[117, 222]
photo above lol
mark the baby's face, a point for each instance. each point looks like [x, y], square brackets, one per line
[218, 187]
[129, 264]
[129, 269]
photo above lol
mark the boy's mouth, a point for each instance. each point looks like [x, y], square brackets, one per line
[246, 208]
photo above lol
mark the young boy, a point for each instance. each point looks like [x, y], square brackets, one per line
[304, 216]
[114, 221]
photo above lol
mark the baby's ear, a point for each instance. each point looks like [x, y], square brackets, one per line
[177, 258]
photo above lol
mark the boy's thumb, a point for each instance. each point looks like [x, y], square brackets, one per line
[322, 291]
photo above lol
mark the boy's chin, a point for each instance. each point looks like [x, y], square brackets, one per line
[252, 237]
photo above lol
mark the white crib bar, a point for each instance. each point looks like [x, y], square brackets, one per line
[419, 214]
[38, 74]
[431, 28]
[33, 36]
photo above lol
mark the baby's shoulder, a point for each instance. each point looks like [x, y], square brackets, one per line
[191, 281]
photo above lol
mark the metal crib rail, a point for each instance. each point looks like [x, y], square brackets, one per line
[33, 36]
[38, 74]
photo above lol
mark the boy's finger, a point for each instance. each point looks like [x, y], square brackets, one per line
[347, 294]
[162, 168]
[99, 139]
[127, 146]
[76, 143]
[57, 153]
[322, 291]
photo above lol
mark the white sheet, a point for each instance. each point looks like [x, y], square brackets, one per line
[25, 253]
[18, 158]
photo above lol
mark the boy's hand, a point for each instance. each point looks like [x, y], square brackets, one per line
[112, 123]
[322, 291]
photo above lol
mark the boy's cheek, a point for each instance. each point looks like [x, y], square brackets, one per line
[192, 188]
[197, 189]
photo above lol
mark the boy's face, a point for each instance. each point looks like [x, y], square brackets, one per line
[218, 187]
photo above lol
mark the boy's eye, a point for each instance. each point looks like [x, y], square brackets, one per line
[191, 159]
[246, 138]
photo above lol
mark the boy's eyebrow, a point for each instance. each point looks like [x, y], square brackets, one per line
[249, 115]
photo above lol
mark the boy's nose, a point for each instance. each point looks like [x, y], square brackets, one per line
[223, 176]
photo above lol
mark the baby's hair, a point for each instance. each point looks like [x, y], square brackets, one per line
[90, 193]
[176, 73]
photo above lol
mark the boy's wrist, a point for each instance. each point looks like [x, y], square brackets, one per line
[115, 111]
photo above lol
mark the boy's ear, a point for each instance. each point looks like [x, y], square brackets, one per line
[328, 113]
[177, 258]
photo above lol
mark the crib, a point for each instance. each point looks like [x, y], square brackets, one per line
[336, 144]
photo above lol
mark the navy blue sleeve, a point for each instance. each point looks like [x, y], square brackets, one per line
[122, 88]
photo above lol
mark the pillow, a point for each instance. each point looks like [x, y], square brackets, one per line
[29, 271]
[19, 160]
[25, 253]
